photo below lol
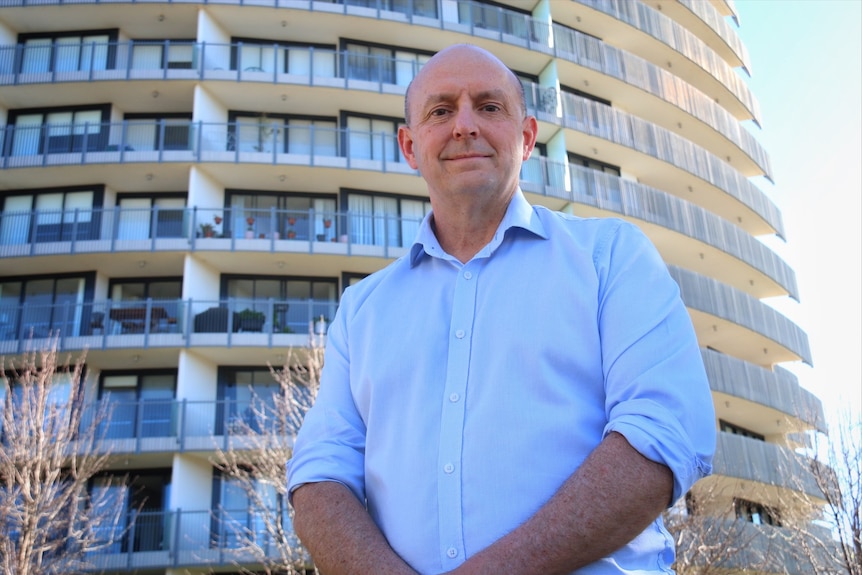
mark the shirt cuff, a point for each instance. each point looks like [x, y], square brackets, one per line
[657, 434]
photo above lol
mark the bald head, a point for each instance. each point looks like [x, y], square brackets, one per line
[459, 56]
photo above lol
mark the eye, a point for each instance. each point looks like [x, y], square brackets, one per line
[491, 108]
[439, 112]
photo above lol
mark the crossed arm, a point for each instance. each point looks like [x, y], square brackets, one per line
[577, 526]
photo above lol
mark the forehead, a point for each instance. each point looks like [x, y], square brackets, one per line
[461, 72]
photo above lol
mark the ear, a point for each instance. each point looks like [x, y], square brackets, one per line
[530, 132]
[405, 142]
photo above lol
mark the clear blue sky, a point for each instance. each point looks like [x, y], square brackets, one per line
[806, 65]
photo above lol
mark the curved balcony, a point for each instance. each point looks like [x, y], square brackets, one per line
[732, 321]
[103, 326]
[631, 199]
[618, 127]
[777, 390]
[707, 14]
[766, 467]
[652, 22]
[141, 60]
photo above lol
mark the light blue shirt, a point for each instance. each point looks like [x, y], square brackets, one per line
[457, 398]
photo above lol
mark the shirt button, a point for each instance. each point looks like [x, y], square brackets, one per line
[468, 275]
[452, 552]
[448, 468]
[454, 397]
[459, 334]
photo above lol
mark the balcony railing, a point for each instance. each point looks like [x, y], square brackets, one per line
[627, 130]
[716, 298]
[179, 538]
[178, 425]
[766, 463]
[650, 21]
[166, 323]
[274, 63]
[776, 388]
[44, 232]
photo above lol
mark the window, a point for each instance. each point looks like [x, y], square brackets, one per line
[496, 17]
[291, 216]
[382, 63]
[67, 52]
[43, 306]
[57, 131]
[588, 181]
[146, 132]
[143, 218]
[131, 295]
[142, 404]
[280, 133]
[240, 517]
[52, 215]
[728, 427]
[426, 8]
[145, 498]
[158, 55]
[246, 400]
[370, 138]
[296, 301]
[756, 513]
[255, 55]
[385, 220]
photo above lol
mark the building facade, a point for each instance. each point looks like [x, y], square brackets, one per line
[187, 186]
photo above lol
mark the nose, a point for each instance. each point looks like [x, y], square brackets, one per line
[465, 123]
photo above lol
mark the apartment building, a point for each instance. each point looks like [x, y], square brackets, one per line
[187, 186]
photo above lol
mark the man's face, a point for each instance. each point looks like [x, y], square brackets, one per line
[467, 132]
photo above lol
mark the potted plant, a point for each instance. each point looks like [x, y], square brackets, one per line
[327, 223]
[207, 230]
[250, 320]
[291, 234]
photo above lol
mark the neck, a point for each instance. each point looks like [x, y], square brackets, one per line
[463, 230]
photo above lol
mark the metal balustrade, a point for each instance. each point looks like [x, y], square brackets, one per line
[179, 538]
[762, 462]
[707, 13]
[163, 323]
[716, 298]
[776, 388]
[650, 21]
[179, 425]
[619, 127]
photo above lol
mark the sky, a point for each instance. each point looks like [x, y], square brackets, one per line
[806, 72]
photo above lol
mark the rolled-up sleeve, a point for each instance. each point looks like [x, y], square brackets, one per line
[657, 392]
[330, 445]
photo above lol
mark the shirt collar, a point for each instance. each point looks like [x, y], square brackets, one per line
[519, 214]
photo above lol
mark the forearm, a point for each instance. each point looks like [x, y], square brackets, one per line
[340, 535]
[613, 496]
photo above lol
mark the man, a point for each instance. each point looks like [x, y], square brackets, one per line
[523, 393]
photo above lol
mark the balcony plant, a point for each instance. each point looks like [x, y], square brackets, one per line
[207, 230]
[250, 320]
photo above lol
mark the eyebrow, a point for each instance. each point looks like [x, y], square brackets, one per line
[495, 94]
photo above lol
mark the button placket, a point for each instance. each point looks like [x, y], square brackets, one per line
[452, 419]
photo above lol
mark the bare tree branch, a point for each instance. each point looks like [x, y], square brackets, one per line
[260, 445]
[49, 452]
